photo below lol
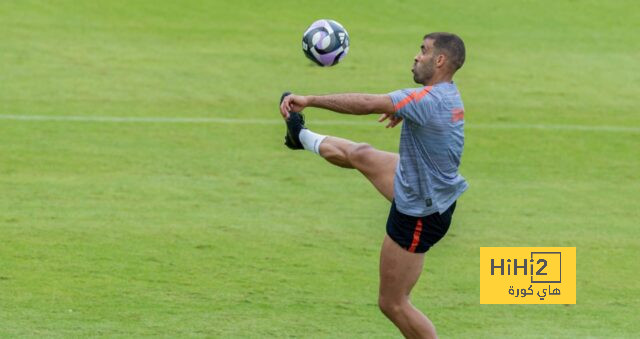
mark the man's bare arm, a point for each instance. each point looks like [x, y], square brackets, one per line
[357, 104]
[353, 103]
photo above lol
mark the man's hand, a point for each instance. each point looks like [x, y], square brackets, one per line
[393, 119]
[293, 103]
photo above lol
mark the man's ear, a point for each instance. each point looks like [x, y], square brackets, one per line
[441, 60]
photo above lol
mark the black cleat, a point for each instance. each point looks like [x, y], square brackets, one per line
[295, 124]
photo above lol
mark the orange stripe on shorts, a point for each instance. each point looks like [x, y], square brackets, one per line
[416, 236]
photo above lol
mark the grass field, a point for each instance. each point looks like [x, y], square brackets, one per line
[160, 228]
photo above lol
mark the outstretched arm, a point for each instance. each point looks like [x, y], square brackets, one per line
[357, 104]
[351, 103]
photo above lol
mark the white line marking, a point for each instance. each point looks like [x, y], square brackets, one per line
[277, 121]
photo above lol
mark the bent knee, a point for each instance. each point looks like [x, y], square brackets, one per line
[391, 307]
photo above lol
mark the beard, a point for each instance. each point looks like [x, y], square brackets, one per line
[424, 72]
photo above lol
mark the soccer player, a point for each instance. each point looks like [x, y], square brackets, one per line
[421, 182]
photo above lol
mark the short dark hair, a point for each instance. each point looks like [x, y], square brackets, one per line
[451, 45]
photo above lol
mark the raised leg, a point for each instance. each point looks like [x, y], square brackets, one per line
[399, 269]
[377, 166]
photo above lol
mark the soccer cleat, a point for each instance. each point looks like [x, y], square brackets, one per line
[295, 124]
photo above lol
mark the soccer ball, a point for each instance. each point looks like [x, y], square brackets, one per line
[325, 42]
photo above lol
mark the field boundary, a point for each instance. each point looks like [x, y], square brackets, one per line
[277, 121]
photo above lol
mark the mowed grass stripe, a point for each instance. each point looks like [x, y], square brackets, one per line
[275, 121]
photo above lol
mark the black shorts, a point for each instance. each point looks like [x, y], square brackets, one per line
[418, 234]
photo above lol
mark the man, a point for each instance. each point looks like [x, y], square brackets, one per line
[421, 182]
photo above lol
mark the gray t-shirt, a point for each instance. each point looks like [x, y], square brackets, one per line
[431, 142]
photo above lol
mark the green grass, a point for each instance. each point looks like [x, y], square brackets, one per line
[170, 229]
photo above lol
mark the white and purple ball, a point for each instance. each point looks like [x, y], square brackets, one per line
[325, 42]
